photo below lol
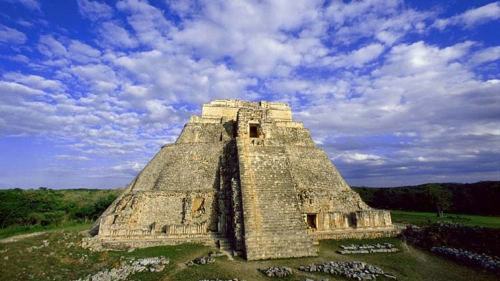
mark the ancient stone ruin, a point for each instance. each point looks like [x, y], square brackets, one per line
[246, 176]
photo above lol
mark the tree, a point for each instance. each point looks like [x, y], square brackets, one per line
[438, 197]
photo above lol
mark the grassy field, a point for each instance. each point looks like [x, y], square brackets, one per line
[422, 219]
[61, 261]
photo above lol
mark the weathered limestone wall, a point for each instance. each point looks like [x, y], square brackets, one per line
[319, 185]
[373, 218]
[176, 193]
[185, 166]
[201, 133]
[293, 135]
[230, 108]
[143, 214]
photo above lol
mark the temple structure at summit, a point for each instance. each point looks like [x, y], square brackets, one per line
[247, 177]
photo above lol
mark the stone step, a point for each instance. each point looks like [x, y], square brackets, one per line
[273, 224]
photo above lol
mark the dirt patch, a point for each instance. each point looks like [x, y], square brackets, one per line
[20, 237]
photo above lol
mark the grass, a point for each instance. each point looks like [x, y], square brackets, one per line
[60, 261]
[423, 219]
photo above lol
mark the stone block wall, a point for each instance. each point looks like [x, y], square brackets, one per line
[143, 214]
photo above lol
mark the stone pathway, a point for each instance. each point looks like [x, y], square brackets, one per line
[19, 237]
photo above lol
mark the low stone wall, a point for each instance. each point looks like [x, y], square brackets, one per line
[356, 234]
[481, 260]
[367, 249]
[97, 244]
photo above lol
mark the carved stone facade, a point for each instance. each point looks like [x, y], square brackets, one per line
[243, 172]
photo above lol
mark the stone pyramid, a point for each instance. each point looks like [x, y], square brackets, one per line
[243, 176]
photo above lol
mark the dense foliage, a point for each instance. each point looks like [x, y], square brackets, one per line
[45, 206]
[481, 198]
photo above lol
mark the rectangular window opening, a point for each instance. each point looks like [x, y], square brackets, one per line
[254, 131]
[311, 220]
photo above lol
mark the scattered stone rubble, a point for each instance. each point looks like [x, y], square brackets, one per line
[367, 248]
[45, 243]
[235, 279]
[155, 264]
[354, 270]
[202, 260]
[277, 271]
[481, 260]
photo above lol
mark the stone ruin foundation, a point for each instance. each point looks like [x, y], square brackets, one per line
[245, 176]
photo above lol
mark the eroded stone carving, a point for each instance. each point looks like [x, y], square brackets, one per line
[243, 172]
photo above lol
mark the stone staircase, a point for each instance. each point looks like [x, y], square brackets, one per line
[225, 244]
[273, 224]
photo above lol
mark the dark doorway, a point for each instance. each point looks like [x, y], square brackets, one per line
[254, 131]
[311, 220]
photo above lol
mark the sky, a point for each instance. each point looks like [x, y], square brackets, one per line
[396, 92]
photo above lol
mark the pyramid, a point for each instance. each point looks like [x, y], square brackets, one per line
[243, 176]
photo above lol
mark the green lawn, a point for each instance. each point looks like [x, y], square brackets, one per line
[422, 219]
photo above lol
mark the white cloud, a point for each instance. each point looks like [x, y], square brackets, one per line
[11, 36]
[82, 52]
[181, 78]
[94, 10]
[482, 14]
[472, 17]
[94, 72]
[387, 21]
[420, 58]
[361, 157]
[365, 54]
[24, 23]
[34, 81]
[116, 36]
[486, 55]
[148, 22]
[31, 4]
[49, 46]
[19, 58]
[72, 157]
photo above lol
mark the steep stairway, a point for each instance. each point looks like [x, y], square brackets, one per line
[272, 221]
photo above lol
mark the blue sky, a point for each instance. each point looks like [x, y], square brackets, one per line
[396, 92]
